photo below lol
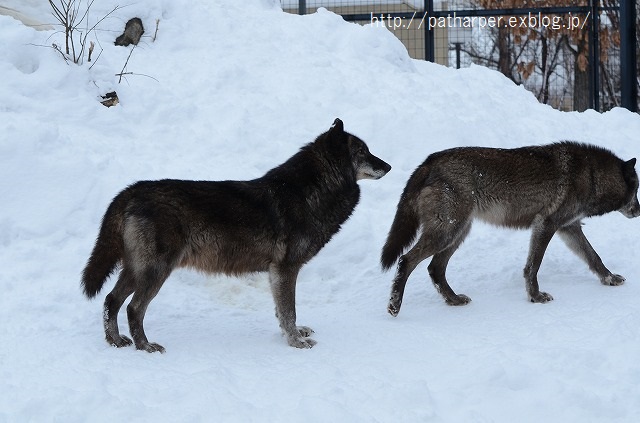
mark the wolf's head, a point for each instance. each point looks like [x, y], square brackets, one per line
[631, 207]
[365, 164]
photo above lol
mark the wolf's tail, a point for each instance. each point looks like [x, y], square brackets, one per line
[108, 250]
[402, 233]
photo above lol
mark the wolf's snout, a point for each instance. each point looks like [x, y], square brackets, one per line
[382, 167]
[387, 167]
[631, 209]
[631, 212]
[372, 168]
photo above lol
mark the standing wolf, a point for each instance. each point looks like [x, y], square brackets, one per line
[273, 224]
[547, 188]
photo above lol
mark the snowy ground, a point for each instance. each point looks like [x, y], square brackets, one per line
[228, 90]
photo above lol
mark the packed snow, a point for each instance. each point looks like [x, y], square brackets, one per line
[228, 90]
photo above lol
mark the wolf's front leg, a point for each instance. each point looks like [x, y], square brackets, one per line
[612, 280]
[575, 239]
[282, 279]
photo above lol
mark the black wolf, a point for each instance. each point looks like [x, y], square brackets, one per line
[273, 224]
[547, 188]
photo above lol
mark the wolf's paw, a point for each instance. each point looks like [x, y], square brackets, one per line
[304, 331]
[119, 341]
[540, 297]
[458, 300]
[300, 342]
[150, 347]
[394, 304]
[613, 280]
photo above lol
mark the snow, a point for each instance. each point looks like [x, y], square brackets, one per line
[227, 91]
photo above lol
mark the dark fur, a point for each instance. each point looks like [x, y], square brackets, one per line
[133, 30]
[547, 188]
[273, 224]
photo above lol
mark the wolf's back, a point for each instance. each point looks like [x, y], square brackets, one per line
[109, 247]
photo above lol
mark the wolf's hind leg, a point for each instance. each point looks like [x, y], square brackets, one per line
[406, 265]
[540, 237]
[112, 304]
[153, 278]
[305, 331]
[440, 240]
[575, 239]
[282, 279]
[438, 267]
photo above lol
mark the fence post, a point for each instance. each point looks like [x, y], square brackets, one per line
[594, 55]
[302, 7]
[628, 71]
[429, 39]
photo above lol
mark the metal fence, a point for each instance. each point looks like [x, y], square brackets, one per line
[544, 45]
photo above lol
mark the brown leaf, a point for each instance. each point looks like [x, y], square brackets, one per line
[582, 62]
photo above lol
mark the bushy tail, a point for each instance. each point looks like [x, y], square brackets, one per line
[402, 233]
[108, 250]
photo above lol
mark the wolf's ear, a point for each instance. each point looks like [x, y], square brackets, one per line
[629, 169]
[337, 126]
